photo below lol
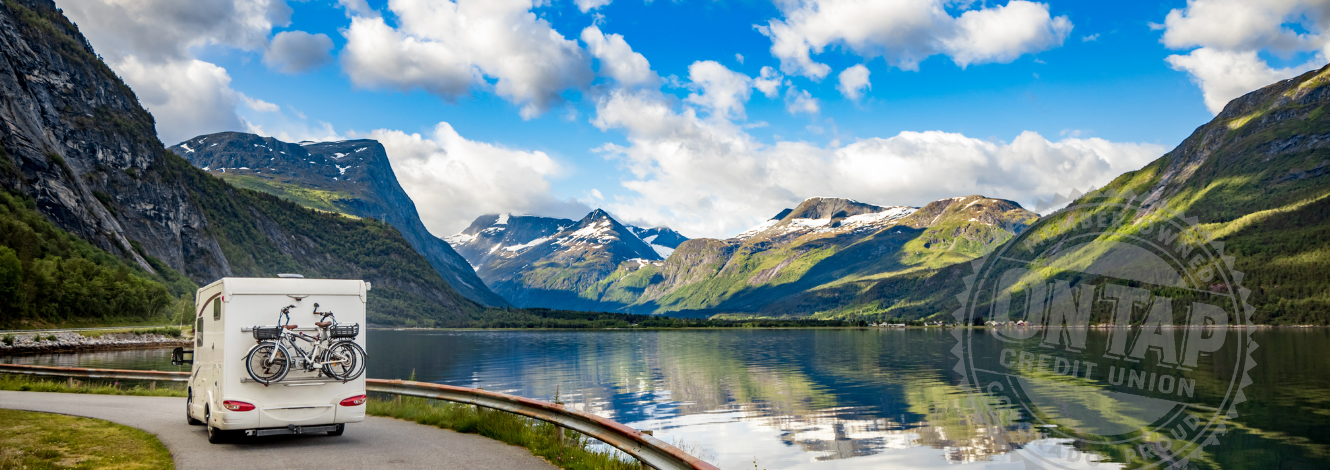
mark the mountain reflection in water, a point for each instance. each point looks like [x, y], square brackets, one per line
[812, 398]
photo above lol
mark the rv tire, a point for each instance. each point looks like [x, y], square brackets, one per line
[189, 407]
[341, 428]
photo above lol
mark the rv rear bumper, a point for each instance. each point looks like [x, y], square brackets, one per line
[292, 429]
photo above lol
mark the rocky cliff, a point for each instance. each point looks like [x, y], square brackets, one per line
[352, 177]
[76, 141]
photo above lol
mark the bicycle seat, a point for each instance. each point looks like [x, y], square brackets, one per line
[322, 324]
[291, 327]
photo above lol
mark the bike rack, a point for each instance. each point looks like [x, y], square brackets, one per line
[645, 448]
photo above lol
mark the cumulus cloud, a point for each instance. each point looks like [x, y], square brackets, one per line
[259, 105]
[1229, 36]
[186, 97]
[723, 91]
[617, 59]
[853, 82]
[588, 5]
[453, 180]
[151, 43]
[446, 47]
[355, 8]
[768, 82]
[709, 177]
[800, 101]
[298, 51]
[1224, 75]
[909, 31]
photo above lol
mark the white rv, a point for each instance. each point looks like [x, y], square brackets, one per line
[222, 394]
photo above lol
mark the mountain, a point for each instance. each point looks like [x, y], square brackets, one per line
[83, 155]
[662, 239]
[791, 259]
[494, 237]
[552, 263]
[1257, 178]
[351, 177]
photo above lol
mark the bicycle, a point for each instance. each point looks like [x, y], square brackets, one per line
[333, 352]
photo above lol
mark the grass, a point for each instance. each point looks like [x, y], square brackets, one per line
[28, 383]
[31, 440]
[576, 452]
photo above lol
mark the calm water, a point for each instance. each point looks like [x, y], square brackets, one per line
[810, 398]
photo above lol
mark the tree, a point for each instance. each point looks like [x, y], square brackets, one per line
[11, 279]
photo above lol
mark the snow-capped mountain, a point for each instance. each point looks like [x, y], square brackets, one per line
[824, 215]
[662, 239]
[549, 262]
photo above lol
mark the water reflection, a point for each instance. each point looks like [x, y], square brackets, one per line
[814, 398]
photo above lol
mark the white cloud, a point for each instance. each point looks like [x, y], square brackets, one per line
[769, 82]
[186, 97]
[298, 51]
[617, 59]
[909, 31]
[446, 47]
[151, 45]
[453, 180]
[723, 91]
[258, 104]
[800, 101]
[357, 8]
[1224, 75]
[588, 5]
[1090, 38]
[1247, 25]
[1229, 36]
[711, 178]
[740, 58]
[853, 82]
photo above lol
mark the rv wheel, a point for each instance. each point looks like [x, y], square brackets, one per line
[215, 436]
[341, 428]
[189, 405]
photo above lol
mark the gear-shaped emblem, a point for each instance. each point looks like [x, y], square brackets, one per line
[1117, 328]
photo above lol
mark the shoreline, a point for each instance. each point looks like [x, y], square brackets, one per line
[24, 344]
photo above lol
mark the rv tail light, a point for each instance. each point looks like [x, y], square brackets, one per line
[354, 401]
[234, 405]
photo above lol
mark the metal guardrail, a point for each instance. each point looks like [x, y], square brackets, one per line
[643, 447]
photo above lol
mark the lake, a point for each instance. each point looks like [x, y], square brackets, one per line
[816, 398]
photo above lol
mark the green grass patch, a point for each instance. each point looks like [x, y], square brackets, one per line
[576, 451]
[326, 201]
[28, 383]
[32, 440]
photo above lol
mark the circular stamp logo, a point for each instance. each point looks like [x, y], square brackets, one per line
[1119, 330]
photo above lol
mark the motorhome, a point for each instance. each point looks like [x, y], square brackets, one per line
[222, 393]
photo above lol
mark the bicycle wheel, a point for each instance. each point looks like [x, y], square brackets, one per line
[344, 360]
[268, 363]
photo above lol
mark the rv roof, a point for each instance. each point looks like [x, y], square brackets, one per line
[285, 286]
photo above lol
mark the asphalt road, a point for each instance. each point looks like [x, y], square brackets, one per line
[375, 443]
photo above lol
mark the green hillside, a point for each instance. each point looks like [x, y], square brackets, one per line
[49, 277]
[824, 273]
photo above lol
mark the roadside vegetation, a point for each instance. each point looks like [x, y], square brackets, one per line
[28, 383]
[31, 440]
[575, 451]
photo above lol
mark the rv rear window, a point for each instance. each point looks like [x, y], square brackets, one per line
[217, 309]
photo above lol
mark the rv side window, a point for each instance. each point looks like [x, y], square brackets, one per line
[198, 333]
[217, 309]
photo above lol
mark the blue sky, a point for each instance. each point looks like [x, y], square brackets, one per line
[507, 107]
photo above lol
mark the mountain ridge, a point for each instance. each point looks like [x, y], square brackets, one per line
[353, 177]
